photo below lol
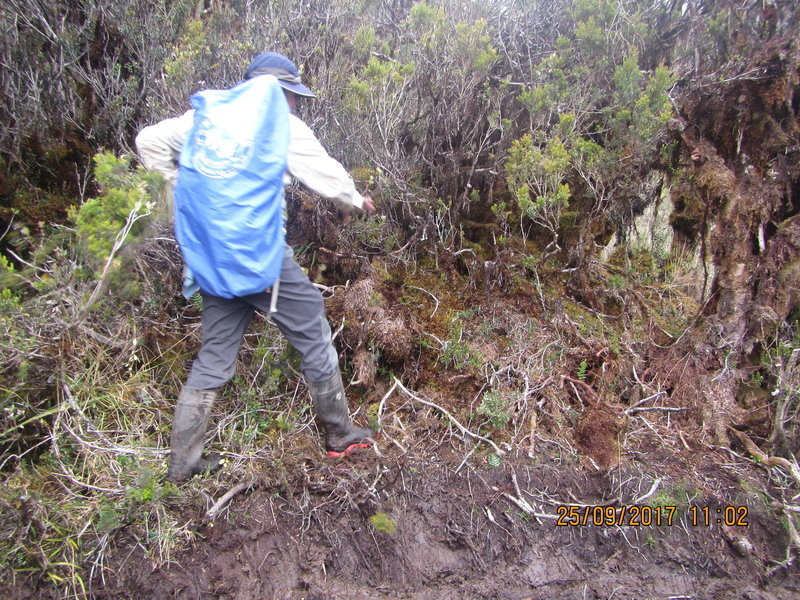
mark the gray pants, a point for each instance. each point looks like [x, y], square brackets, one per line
[300, 317]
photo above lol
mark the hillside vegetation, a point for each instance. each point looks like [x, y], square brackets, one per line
[581, 287]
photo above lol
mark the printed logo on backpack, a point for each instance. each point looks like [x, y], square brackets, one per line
[218, 154]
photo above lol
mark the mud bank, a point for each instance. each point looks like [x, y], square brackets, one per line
[448, 529]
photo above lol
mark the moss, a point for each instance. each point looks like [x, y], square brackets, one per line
[480, 234]
[568, 219]
[587, 322]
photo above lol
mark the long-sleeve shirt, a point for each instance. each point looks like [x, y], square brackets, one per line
[160, 145]
[307, 161]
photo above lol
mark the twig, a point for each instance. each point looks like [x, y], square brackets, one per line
[640, 402]
[435, 299]
[102, 282]
[781, 565]
[385, 397]
[466, 458]
[652, 491]
[453, 420]
[630, 411]
[794, 543]
[10, 223]
[222, 502]
[27, 264]
[593, 399]
[794, 537]
[464, 250]
[338, 331]
[102, 338]
[577, 393]
[526, 507]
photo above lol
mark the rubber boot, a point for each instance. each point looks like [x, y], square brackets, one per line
[329, 401]
[188, 429]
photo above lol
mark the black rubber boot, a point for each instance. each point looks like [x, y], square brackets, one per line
[188, 429]
[329, 401]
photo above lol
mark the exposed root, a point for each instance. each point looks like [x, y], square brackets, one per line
[220, 504]
[452, 419]
[769, 461]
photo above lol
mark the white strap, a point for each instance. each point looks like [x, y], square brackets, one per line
[273, 304]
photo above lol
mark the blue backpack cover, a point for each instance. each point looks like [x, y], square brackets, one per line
[229, 192]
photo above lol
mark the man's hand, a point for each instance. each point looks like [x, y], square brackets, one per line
[368, 207]
[369, 204]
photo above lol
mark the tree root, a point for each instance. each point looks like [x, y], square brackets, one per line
[212, 512]
[770, 461]
[452, 419]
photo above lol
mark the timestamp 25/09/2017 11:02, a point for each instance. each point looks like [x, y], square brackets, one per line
[645, 516]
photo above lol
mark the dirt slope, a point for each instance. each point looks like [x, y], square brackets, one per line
[458, 535]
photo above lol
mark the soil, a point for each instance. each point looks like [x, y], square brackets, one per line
[447, 528]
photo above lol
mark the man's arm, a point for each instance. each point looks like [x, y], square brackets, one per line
[159, 145]
[309, 163]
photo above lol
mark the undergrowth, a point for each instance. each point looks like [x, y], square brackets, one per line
[89, 379]
[501, 162]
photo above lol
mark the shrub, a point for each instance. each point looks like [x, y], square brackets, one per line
[495, 407]
[119, 215]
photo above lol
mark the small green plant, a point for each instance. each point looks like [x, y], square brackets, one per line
[582, 370]
[197, 302]
[382, 522]
[535, 175]
[457, 352]
[118, 216]
[9, 303]
[147, 487]
[284, 422]
[758, 379]
[494, 406]
[494, 460]
[616, 282]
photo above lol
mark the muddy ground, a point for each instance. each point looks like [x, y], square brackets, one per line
[306, 528]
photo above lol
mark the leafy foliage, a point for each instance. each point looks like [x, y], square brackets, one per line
[118, 216]
[495, 407]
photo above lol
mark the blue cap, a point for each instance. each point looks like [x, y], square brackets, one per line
[272, 63]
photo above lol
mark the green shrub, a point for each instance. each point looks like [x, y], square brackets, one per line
[494, 406]
[119, 215]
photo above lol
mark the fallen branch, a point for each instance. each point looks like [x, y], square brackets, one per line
[521, 503]
[527, 508]
[222, 502]
[452, 419]
[643, 400]
[103, 339]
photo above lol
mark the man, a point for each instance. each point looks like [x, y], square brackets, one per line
[293, 303]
